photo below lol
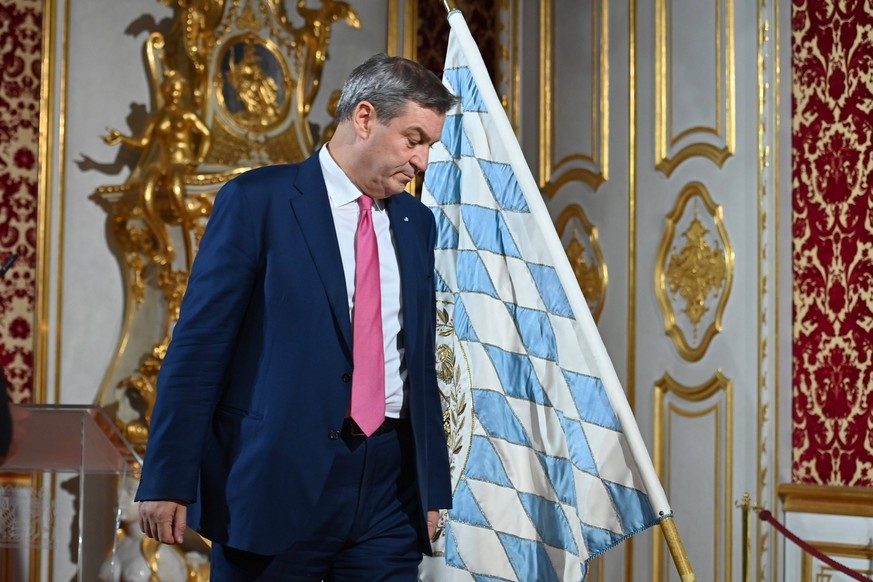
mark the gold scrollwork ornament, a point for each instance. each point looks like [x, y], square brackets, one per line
[586, 256]
[695, 275]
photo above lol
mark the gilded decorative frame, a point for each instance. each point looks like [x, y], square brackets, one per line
[676, 333]
[719, 383]
[666, 158]
[574, 211]
[597, 170]
[827, 500]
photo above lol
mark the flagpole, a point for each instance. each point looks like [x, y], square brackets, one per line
[677, 550]
[449, 5]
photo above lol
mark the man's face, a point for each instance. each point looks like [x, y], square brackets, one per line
[396, 152]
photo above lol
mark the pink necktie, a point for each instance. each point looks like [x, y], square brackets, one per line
[368, 378]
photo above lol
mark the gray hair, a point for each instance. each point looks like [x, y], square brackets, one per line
[389, 83]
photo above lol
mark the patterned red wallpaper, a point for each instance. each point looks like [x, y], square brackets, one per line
[20, 59]
[832, 135]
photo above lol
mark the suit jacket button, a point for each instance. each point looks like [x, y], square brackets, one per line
[347, 377]
[334, 435]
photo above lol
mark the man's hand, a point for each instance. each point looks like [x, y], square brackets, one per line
[433, 517]
[164, 521]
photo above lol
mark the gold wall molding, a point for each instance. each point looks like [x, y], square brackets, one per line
[54, 79]
[712, 403]
[410, 29]
[51, 135]
[589, 167]
[686, 275]
[825, 573]
[768, 258]
[581, 242]
[826, 499]
[716, 142]
[631, 377]
[509, 73]
[408, 42]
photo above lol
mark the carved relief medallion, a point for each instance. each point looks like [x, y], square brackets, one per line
[253, 84]
[693, 271]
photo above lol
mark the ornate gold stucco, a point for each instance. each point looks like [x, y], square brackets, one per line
[694, 278]
[582, 245]
[232, 83]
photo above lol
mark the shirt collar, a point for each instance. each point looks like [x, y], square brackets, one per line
[340, 189]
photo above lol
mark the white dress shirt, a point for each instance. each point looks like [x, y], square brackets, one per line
[343, 195]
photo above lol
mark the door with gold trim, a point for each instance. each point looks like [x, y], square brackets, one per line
[657, 149]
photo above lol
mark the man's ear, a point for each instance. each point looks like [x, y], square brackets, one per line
[364, 117]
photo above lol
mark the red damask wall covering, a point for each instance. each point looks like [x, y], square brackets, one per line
[482, 16]
[832, 150]
[20, 59]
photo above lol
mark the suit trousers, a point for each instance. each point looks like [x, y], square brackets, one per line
[367, 525]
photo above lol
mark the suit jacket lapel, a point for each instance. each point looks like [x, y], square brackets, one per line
[406, 242]
[311, 206]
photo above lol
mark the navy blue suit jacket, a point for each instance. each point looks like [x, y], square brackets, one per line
[256, 380]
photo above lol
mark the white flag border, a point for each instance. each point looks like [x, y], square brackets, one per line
[540, 213]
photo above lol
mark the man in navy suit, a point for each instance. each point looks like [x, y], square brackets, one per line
[253, 442]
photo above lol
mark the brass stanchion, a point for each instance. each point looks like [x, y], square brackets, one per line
[746, 506]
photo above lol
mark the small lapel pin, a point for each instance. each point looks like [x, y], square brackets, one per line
[405, 219]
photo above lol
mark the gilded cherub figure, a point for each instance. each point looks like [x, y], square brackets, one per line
[181, 141]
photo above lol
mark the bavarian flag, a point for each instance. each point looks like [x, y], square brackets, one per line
[548, 466]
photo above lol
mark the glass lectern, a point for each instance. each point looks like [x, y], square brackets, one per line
[70, 453]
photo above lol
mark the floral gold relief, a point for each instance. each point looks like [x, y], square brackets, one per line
[582, 245]
[693, 271]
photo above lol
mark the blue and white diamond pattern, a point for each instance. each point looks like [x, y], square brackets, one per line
[549, 481]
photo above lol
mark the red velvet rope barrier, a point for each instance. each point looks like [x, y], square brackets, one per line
[765, 515]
